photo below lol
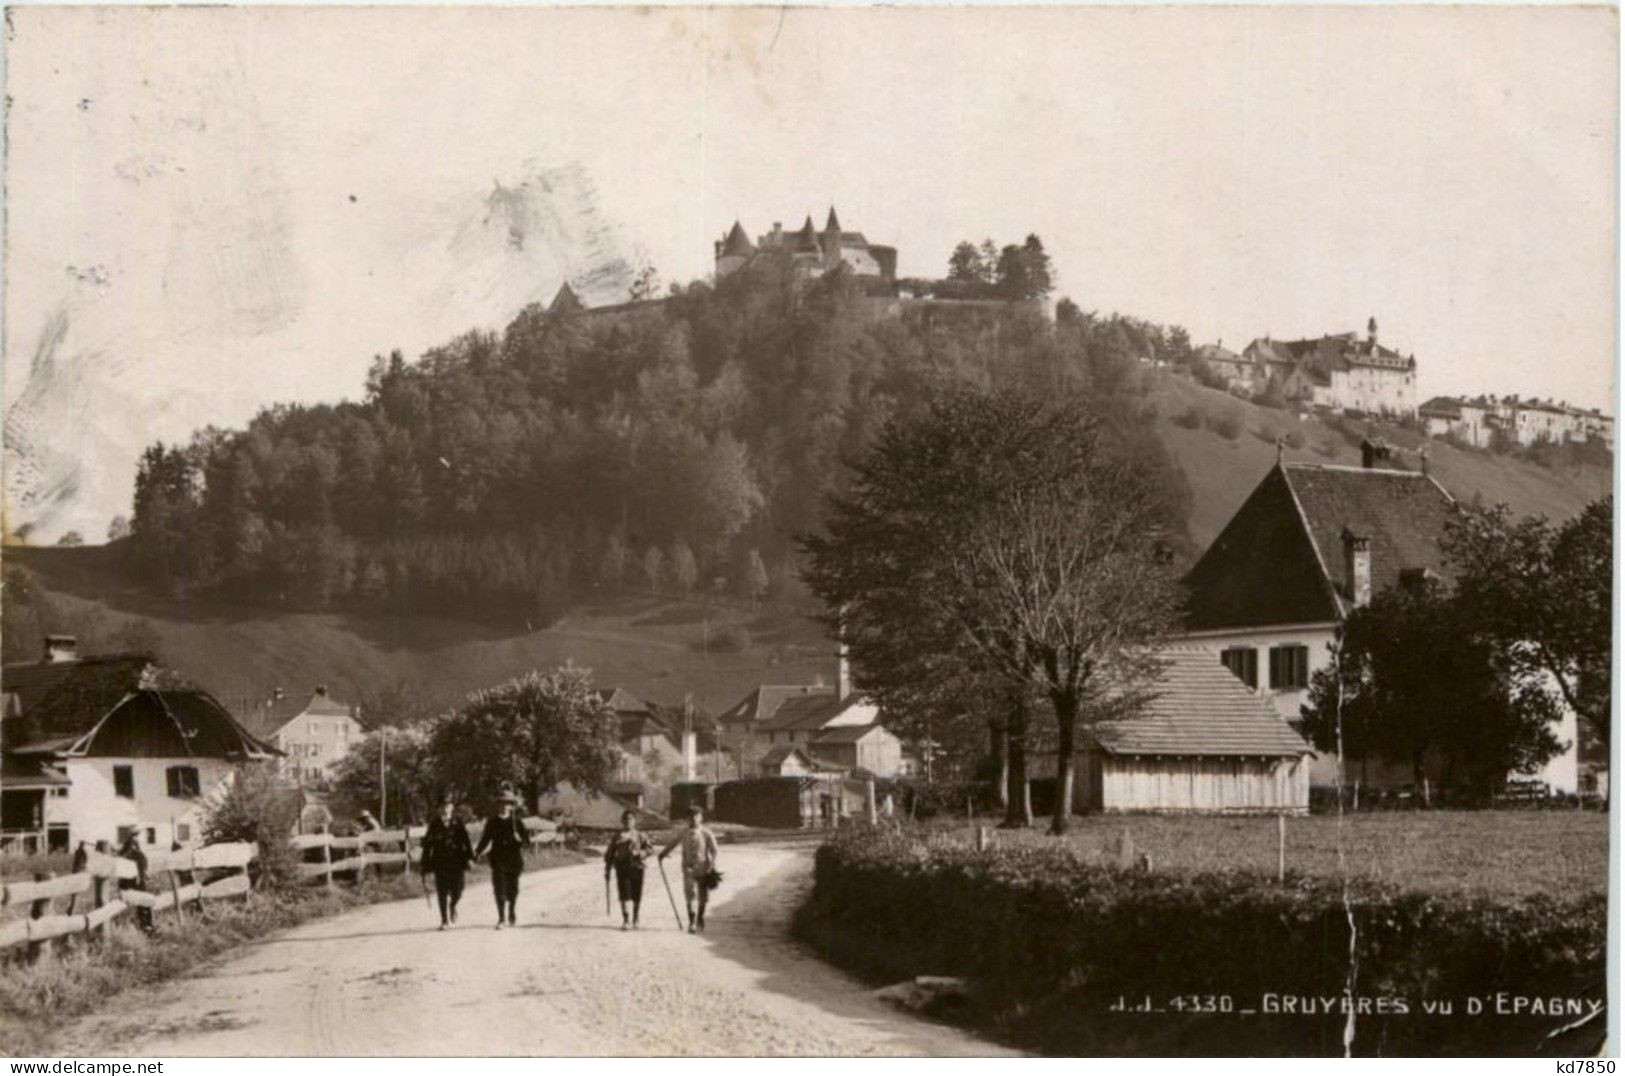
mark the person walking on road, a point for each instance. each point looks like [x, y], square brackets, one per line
[447, 852]
[699, 864]
[625, 855]
[505, 835]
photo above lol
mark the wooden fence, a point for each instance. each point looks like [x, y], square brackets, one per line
[95, 896]
[352, 857]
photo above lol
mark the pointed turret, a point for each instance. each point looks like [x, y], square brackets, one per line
[565, 301]
[737, 242]
[807, 238]
[834, 222]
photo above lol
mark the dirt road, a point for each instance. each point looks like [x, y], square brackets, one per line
[381, 980]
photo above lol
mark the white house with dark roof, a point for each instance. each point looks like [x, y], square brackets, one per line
[1339, 371]
[834, 727]
[96, 748]
[1309, 544]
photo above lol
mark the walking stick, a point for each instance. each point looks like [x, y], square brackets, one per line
[606, 894]
[661, 863]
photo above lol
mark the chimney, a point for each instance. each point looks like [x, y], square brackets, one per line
[690, 753]
[321, 691]
[1357, 567]
[1372, 452]
[60, 648]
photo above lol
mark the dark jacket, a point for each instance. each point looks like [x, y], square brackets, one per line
[446, 847]
[507, 838]
[627, 850]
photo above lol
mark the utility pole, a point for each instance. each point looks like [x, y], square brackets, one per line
[383, 787]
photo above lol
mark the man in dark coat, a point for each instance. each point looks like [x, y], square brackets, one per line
[447, 853]
[505, 835]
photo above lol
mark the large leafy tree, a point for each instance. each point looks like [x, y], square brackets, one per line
[1544, 592]
[398, 755]
[999, 534]
[1417, 680]
[536, 731]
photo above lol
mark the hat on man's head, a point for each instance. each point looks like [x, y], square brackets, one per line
[508, 794]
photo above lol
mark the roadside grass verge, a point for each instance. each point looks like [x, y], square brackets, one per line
[1501, 853]
[1059, 952]
[37, 999]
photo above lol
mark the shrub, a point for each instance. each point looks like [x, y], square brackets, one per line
[1207, 376]
[255, 808]
[729, 640]
[1190, 418]
[1051, 942]
[1226, 425]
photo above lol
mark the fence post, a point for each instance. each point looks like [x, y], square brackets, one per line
[36, 910]
[175, 895]
[327, 857]
[1280, 847]
[870, 814]
[99, 888]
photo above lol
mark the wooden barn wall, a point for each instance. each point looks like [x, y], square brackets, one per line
[1196, 784]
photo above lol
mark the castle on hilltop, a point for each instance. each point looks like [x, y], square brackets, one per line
[808, 252]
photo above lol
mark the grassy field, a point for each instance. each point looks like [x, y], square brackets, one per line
[654, 647]
[1505, 853]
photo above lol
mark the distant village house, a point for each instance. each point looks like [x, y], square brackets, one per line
[313, 736]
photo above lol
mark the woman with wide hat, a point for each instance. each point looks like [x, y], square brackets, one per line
[505, 835]
[447, 853]
[626, 852]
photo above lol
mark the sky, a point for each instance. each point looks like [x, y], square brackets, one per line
[234, 206]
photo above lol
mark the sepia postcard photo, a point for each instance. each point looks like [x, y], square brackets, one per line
[979, 531]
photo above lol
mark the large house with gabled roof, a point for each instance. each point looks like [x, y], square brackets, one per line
[1311, 543]
[96, 748]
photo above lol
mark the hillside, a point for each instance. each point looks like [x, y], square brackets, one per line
[653, 646]
[1223, 470]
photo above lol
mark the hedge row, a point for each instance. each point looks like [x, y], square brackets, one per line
[1050, 945]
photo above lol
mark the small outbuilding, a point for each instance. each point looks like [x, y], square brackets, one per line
[1204, 742]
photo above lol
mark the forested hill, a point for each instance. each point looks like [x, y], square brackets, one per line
[675, 447]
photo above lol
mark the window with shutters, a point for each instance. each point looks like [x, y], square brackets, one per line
[124, 782]
[1243, 661]
[1289, 667]
[182, 781]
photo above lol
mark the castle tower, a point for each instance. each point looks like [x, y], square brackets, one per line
[832, 240]
[733, 251]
